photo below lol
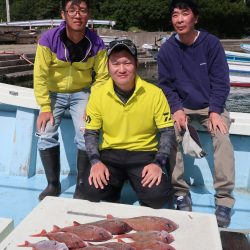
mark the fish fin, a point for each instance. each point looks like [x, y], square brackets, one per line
[110, 217]
[25, 244]
[120, 240]
[75, 223]
[121, 236]
[43, 233]
[55, 229]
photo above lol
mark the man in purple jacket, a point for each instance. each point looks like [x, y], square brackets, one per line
[194, 75]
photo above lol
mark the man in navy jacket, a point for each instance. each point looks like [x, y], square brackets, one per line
[194, 75]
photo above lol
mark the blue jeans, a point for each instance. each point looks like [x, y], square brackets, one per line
[60, 102]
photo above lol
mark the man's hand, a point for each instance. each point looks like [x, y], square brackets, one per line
[180, 119]
[151, 174]
[99, 175]
[216, 123]
[42, 120]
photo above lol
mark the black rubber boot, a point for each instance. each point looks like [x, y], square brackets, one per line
[82, 165]
[51, 163]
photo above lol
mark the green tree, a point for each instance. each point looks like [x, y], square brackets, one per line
[148, 15]
[225, 18]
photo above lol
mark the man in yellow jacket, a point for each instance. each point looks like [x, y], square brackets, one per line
[129, 112]
[65, 60]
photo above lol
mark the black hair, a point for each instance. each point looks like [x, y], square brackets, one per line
[64, 3]
[184, 4]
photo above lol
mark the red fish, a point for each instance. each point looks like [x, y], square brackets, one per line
[86, 232]
[114, 226]
[149, 223]
[70, 239]
[45, 245]
[162, 236]
[151, 245]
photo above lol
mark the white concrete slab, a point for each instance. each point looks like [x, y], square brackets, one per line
[6, 226]
[197, 231]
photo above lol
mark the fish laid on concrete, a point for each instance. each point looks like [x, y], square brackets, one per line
[151, 245]
[45, 245]
[86, 232]
[149, 223]
[70, 239]
[162, 236]
[114, 226]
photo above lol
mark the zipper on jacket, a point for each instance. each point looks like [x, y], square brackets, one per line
[90, 47]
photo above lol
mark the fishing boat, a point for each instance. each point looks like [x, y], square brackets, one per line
[245, 47]
[237, 56]
[239, 73]
[239, 68]
[22, 177]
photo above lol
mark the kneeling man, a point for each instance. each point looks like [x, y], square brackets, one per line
[123, 119]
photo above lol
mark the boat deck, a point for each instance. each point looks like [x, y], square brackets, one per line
[19, 195]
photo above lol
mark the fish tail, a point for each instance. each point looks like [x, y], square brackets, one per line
[75, 223]
[121, 241]
[43, 233]
[55, 229]
[25, 244]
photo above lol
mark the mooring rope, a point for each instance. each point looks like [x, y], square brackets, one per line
[22, 56]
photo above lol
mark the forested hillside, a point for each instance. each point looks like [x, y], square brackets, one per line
[226, 18]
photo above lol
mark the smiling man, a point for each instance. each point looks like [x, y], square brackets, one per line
[129, 112]
[194, 75]
[65, 60]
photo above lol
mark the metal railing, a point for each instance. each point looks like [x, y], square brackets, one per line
[54, 22]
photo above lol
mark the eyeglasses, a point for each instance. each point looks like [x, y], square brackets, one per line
[126, 42]
[81, 12]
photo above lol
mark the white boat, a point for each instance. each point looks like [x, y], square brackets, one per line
[22, 175]
[239, 73]
[246, 47]
[237, 56]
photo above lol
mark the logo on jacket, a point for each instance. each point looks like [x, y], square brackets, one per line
[88, 119]
[167, 116]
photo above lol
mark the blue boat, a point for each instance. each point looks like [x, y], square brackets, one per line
[22, 176]
[237, 56]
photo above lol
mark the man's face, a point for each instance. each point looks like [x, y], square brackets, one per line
[122, 69]
[183, 20]
[76, 16]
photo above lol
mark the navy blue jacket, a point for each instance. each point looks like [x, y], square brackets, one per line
[195, 76]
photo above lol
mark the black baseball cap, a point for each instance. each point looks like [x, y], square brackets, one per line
[118, 45]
